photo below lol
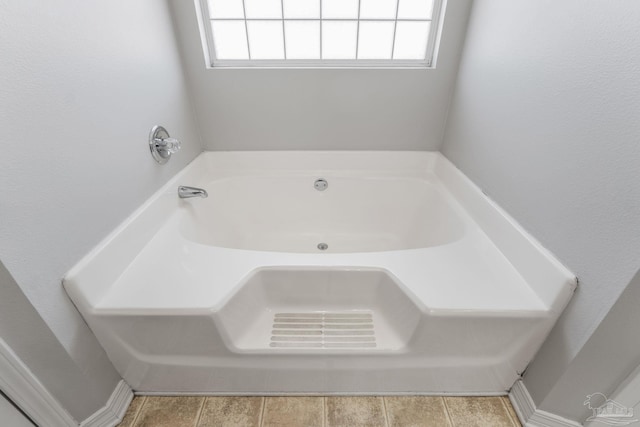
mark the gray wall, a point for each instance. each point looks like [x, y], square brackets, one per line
[10, 416]
[321, 109]
[545, 119]
[23, 329]
[609, 356]
[81, 84]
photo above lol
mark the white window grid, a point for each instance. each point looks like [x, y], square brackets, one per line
[428, 62]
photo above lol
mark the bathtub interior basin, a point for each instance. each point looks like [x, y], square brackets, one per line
[287, 214]
[314, 308]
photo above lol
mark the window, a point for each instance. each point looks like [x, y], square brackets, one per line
[320, 33]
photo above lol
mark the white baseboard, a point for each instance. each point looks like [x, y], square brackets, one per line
[26, 391]
[112, 413]
[529, 415]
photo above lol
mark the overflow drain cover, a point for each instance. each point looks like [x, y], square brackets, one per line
[320, 184]
[323, 246]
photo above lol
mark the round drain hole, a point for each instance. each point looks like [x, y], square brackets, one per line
[323, 246]
[320, 184]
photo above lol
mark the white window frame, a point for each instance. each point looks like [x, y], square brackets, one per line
[435, 31]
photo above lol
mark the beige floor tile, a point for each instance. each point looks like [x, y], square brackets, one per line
[416, 411]
[293, 412]
[355, 411]
[169, 412]
[132, 411]
[231, 412]
[478, 412]
[512, 412]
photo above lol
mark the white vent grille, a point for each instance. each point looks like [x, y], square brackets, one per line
[323, 330]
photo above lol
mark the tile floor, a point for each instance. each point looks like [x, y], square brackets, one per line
[389, 411]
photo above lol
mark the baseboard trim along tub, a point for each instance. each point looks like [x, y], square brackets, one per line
[529, 415]
[113, 412]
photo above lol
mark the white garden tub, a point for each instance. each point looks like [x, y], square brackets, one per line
[425, 285]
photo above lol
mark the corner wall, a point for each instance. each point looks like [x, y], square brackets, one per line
[22, 329]
[321, 109]
[610, 355]
[544, 118]
[81, 83]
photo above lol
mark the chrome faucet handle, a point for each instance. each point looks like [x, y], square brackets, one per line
[162, 146]
[171, 145]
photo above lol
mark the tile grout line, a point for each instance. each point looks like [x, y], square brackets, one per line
[509, 414]
[324, 411]
[386, 412]
[261, 419]
[446, 410]
[199, 413]
[137, 414]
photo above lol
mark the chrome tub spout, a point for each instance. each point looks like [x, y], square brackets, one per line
[185, 192]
